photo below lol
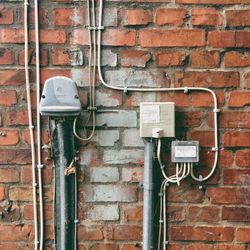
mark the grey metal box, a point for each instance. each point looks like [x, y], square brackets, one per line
[185, 151]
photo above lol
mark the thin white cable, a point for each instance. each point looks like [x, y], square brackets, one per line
[39, 156]
[31, 126]
[76, 210]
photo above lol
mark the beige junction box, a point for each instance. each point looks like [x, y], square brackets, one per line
[157, 117]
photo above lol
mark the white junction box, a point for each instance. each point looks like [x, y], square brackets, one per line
[185, 151]
[157, 117]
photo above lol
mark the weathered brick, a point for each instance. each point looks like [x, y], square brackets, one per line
[201, 233]
[243, 158]
[9, 175]
[132, 174]
[205, 138]
[90, 233]
[50, 36]
[131, 138]
[17, 118]
[104, 246]
[170, 58]
[136, 17]
[134, 58]
[204, 59]
[123, 156]
[43, 14]
[166, 16]
[105, 174]
[6, 15]
[2, 192]
[221, 39]
[32, 57]
[237, 59]
[11, 137]
[236, 177]
[8, 245]
[12, 77]
[246, 80]
[238, 17]
[236, 139]
[189, 119]
[6, 56]
[18, 156]
[133, 213]
[171, 38]
[236, 214]
[20, 193]
[198, 246]
[119, 119]
[229, 247]
[242, 38]
[203, 214]
[243, 235]
[8, 97]
[239, 99]
[28, 212]
[216, 79]
[176, 213]
[106, 137]
[15, 232]
[229, 195]
[205, 16]
[110, 193]
[134, 100]
[179, 98]
[108, 98]
[103, 213]
[124, 232]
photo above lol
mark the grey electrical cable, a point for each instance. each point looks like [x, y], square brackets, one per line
[31, 126]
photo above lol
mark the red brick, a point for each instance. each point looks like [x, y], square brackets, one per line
[216, 79]
[12, 36]
[180, 99]
[205, 16]
[65, 17]
[44, 136]
[8, 245]
[17, 118]
[6, 15]
[130, 247]
[243, 158]
[28, 212]
[171, 38]
[43, 16]
[8, 97]
[189, 118]
[124, 232]
[205, 138]
[18, 156]
[239, 99]
[221, 39]
[119, 37]
[204, 59]
[198, 247]
[236, 177]
[236, 139]
[246, 80]
[50, 36]
[80, 37]
[243, 38]
[243, 235]
[237, 59]
[219, 2]
[238, 17]
[13, 214]
[102, 246]
[9, 175]
[229, 247]
[229, 195]
[20, 193]
[166, 16]
[14, 77]
[201, 233]
[205, 99]
[90, 233]
[32, 57]
[6, 56]
[10, 138]
[134, 213]
[170, 58]
[48, 73]
[176, 213]
[236, 214]
[60, 56]
[203, 214]
[185, 194]
[136, 58]
[136, 17]
[2, 192]
[16, 232]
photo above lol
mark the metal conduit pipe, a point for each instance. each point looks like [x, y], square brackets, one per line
[63, 154]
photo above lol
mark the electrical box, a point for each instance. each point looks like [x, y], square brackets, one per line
[157, 119]
[60, 97]
[185, 151]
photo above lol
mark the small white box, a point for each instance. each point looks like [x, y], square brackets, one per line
[157, 115]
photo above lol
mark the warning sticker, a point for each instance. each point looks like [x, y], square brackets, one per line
[185, 151]
[151, 114]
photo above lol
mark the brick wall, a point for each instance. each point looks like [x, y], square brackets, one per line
[151, 43]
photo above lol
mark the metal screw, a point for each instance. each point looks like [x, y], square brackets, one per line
[2, 134]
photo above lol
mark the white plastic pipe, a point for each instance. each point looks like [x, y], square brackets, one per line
[31, 126]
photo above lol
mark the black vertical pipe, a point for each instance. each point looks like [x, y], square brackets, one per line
[63, 152]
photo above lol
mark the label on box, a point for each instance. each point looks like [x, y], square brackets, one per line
[185, 151]
[151, 114]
